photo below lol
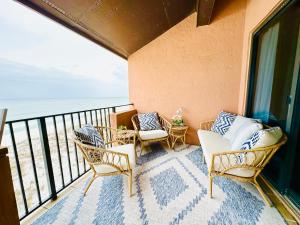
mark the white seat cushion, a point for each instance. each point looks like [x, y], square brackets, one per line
[212, 142]
[152, 134]
[127, 149]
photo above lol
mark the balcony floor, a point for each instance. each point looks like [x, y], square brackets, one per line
[170, 187]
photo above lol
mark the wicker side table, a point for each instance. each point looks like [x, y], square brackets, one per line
[128, 136]
[178, 133]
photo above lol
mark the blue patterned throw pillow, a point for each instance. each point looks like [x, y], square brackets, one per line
[249, 144]
[263, 138]
[223, 122]
[89, 135]
[149, 121]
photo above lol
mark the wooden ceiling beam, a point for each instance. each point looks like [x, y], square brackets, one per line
[72, 26]
[120, 26]
[204, 11]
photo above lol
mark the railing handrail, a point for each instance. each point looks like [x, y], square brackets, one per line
[67, 113]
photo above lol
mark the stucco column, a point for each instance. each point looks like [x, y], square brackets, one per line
[8, 205]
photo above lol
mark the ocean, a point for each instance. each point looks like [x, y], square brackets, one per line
[27, 108]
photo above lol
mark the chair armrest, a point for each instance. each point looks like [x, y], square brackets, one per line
[100, 156]
[254, 159]
[206, 125]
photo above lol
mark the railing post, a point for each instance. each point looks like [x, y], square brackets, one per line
[114, 109]
[47, 157]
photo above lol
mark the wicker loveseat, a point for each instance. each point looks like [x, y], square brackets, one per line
[150, 136]
[118, 156]
[224, 160]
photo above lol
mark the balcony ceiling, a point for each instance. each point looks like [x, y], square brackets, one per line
[121, 26]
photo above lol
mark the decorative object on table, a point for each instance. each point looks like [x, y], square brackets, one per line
[177, 119]
[122, 127]
[155, 135]
[178, 133]
[113, 158]
[3, 113]
[241, 151]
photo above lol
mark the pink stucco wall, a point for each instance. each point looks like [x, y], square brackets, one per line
[196, 68]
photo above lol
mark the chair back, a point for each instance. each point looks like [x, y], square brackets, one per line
[271, 150]
[88, 151]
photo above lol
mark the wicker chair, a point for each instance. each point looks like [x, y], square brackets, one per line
[119, 156]
[165, 124]
[254, 160]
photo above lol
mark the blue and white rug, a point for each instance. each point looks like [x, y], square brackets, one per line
[170, 188]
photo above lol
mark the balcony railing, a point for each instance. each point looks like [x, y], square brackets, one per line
[43, 158]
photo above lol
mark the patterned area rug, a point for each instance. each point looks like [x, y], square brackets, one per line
[170, 188]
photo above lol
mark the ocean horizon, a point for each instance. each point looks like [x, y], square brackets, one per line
[28, 108]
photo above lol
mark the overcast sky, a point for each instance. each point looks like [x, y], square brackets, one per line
[40, 58]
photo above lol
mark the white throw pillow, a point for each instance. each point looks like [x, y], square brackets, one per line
[245, 132]
[236, 125]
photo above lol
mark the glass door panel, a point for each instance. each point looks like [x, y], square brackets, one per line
[274, 93]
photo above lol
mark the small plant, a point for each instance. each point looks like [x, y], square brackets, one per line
[177, 121]
[122, 127]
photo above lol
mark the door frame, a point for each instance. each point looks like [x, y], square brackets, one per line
[284, 178]
[293, 142]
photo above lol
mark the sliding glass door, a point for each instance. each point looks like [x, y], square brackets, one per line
[274, 93]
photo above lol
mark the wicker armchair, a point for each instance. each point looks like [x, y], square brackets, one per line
[253, 161]
[165, 124]
[119, 156]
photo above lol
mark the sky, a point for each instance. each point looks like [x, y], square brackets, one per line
[40, 58]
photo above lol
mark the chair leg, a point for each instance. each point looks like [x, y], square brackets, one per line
[142, 146]
[263, 195]
[210, 185]
[168, 142]
[91, 181]
[130, 183]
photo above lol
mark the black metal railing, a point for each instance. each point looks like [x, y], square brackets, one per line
[44, 160]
